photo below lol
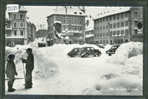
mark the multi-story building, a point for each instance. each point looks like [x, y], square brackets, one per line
[72, 25]
[18, 30]
[89, 36]
[31, 31]
[41, 33]
[17, 27]
[119, 26]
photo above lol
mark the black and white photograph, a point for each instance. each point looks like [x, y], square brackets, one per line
[74, 50]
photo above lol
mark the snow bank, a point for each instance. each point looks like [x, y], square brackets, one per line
[120, 85]
[134, 66]
[125, 51]
[44, 67]
[56, 73]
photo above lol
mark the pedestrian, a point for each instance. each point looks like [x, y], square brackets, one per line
[29, 68]
[11, 72]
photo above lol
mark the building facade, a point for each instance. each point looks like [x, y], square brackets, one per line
[41, 33]
[31, 31]
[72, 26]
[18, 30]
[89, 36]
[119, 27]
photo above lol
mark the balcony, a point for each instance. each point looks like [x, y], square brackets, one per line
[8, 28]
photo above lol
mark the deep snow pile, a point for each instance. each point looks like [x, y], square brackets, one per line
[57, 74]
[45, 56]
[126, 51]
[129, 57]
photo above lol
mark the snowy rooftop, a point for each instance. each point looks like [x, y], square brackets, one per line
[112, 12]
[70, 11]
[89, 35]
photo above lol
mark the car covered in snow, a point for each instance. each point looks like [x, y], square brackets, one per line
[100, 46]
[89, 52]
[112, 50]
[74, 52]
[84, 52]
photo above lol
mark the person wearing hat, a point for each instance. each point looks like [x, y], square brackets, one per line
[11, 72]
[29, 68]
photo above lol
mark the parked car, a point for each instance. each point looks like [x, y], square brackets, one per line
[84, 52]
[90, 52]
[41, 44]
[74, 52]
[100, 45]
[112, 50]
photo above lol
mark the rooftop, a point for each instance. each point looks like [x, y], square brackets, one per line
[112, 12]
[67, 11]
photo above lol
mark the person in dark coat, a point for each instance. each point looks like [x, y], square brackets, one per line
[11, 72]
[29, 68]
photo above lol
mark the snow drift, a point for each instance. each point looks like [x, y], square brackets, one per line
[126, 51]
[57, 74]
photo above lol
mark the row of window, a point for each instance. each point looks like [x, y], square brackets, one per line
[112, 41]
[119, 32]
[113, 17]
[18, 16]
[102, 35]
[113, 25]
[71, 20]
[114, 33]
[16, 25]
[79, 28]
[16, 33]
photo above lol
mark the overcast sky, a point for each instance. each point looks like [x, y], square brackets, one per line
[38, 14]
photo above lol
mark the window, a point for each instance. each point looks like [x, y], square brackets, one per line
[117, 17]
[126, 23]
[111, 41]
[106, 26]
[14, 24]
[118, 25]
[21, 16]
[111, 18]
[22, 33]
[14, 16]
[122, 32]
[127, 15]
[127, 31]
[21, 24]
[135, 14]
[111, 33]
[114, 33]
[114, 25]
[122, 24]
[110, 25]
[15, 32]
[118, 32]
[107, 18]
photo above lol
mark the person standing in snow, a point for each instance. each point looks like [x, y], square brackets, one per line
[29, 68]
[11, 72]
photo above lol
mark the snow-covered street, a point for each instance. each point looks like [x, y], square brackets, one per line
[57, 74]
